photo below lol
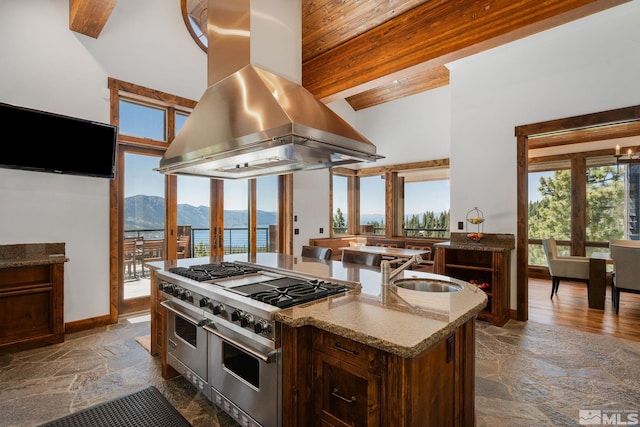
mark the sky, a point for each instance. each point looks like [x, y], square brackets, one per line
[534, 183]
[419, 197]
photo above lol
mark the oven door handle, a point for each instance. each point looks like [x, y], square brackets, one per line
[169, 306]
[267, 358]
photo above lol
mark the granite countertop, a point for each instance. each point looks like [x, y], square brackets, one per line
[26, 254]
[395, 320]
[492, 242]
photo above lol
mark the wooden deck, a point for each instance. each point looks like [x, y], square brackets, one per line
[570, 308]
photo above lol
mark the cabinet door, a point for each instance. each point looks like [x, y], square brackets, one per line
[343, 394]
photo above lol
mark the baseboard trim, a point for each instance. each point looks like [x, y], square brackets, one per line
[86, 324]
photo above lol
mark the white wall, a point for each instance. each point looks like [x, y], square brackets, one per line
[410, 129]
[46, 66]
[311, 206]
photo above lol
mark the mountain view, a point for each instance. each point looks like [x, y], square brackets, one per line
[147, 212]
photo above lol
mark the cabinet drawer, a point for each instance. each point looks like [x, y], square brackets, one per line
[347, 350]
[344, 395]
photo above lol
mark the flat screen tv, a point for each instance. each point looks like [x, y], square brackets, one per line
[49, 142]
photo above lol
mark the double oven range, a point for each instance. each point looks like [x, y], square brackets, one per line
[221, 333]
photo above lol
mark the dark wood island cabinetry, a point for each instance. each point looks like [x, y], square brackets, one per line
[342, 382]
[375, 356]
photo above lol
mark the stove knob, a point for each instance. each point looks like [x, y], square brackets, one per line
[177, 292]
[258, 328]
[186, 296]
[236, 315]
[262, 326]
[218, 309]
[204, 301]
[165, 286]
[245, 320]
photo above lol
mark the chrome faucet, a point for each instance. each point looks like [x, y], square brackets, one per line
[388, 275]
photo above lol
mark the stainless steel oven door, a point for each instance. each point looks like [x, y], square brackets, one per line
[246, 374]
[186, 339]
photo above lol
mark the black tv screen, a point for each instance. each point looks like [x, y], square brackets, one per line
[49, 142]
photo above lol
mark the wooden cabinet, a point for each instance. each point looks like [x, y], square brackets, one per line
[159, 328]
[482, 265]
[31, 306]
[347, 383]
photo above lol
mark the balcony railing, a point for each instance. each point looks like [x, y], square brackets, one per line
[236, 240]
[408, 232]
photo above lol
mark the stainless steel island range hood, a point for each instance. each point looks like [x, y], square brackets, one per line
[251, 122]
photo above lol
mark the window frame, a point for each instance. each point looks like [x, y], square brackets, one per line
[394, 194]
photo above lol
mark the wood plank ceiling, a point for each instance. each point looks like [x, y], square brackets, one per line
[374, 51]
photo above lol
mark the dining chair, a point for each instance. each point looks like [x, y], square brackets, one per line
[574, 268]
[316, 252]
[182, 246]
[363, 258]
[129, 257]
[626, 269]
[391, 259]
[427, 262]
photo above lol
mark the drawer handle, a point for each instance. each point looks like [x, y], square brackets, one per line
[335, 393]
[341, 348]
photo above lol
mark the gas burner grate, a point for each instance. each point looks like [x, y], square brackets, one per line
[300, 293]
[204, 272]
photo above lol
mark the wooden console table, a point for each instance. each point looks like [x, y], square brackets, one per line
[488, 261]
[31, 295]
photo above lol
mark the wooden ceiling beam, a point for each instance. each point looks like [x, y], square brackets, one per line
[430, 35]
[89, 17]
[416, 83]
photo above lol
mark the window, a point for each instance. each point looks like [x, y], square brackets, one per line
[417, 204]
[236, 216]
[372, 205]
[551, 209]
[426, 208]
[267, 214]
[143, 121]
[605, 205]
[193, 213]
[139, 208]
[340, 214]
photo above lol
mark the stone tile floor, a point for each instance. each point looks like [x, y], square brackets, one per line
[527, 374]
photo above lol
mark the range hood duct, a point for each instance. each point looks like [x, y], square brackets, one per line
[253, 123]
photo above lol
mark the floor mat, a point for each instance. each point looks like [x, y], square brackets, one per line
[145, 342]
[144, 408]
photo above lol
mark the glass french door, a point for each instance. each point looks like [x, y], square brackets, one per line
[143, 228]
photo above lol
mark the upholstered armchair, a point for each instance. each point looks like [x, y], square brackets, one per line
[626, 269]
[574, 268]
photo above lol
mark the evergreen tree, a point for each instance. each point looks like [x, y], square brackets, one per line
[551, 216]
[339, 223]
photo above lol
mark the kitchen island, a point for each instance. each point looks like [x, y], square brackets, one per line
[373, 356]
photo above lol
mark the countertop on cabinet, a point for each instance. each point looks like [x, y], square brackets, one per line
[26, 254]
[491, 242]
[395, 320]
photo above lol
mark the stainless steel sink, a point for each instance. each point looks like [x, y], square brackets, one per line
[427, 285]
